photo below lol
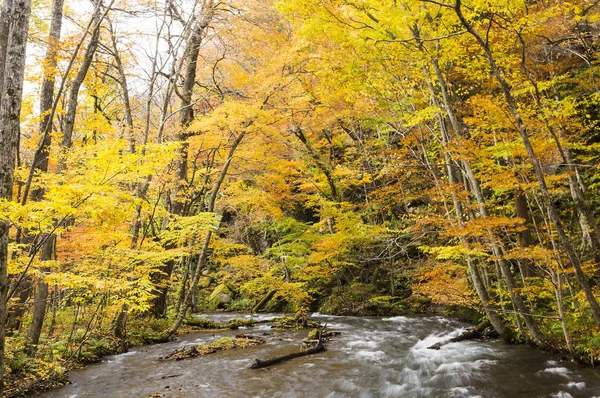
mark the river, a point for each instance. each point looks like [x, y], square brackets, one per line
[373, 357]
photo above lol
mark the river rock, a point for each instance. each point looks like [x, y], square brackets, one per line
[221, 296]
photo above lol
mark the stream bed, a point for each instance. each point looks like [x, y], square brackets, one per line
[373, 357]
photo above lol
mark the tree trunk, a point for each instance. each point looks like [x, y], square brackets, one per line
[90, 51]
[265, 300]
[10, 114]
[4, 30]
[319, 162]
[121, 322]
[17, 310]
[186, 115]
[525, 237]
[40, 301]
[128, 115]
[40, 162]
[589, 228]
[532, 327]
[556, 282]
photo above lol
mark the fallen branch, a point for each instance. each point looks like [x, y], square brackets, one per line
[264, 301]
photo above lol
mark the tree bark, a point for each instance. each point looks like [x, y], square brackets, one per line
[525, 237]
[265, 300]
[10, 114]
[477, 332]
[128, 115]
[17, 310]
[319, 162]
[4, 30]
[589, 228]
[40, 298]
[186, 115]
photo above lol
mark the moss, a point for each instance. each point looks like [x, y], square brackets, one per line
[419, 304]
[204, 282]
[313, 334]
[465, 314]
[385, 306]
[362, 299]
[348, 300]
[241, 304]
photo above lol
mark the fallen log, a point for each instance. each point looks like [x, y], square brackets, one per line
[264, 301]
[259, 364]
[478, 332]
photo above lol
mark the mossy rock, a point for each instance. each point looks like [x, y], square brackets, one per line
[204, 282]
[299, 321]
[385, 306]
[220, 297]
[313, 334]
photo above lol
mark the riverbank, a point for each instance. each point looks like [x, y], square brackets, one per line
[29, 376]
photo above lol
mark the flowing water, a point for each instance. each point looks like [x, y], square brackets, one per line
[373, 357]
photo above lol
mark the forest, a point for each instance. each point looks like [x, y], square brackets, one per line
[349, 157]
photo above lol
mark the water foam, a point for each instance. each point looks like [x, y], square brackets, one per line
[560, 371]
